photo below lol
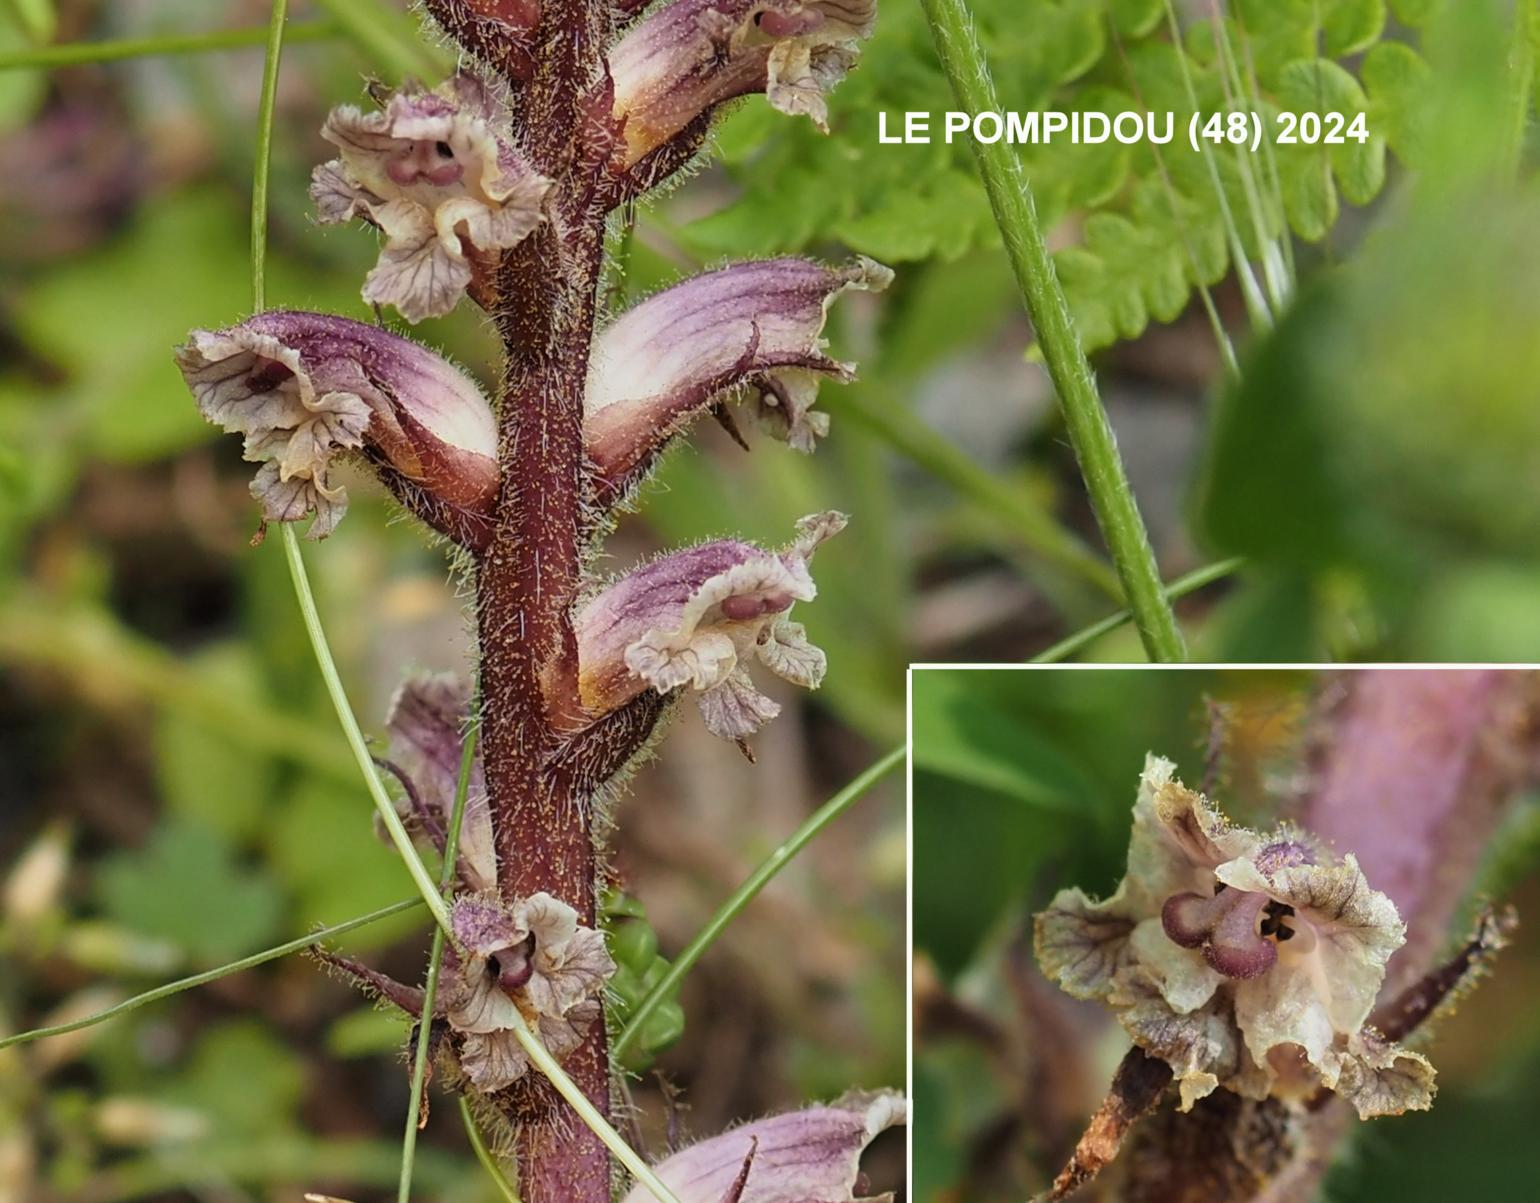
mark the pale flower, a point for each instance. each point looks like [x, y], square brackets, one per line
[752, 328]
[433, 174]
[1244, 961]
[694, 618]
[686, 57]
[809, 1156]
[306, 388]
[529, 958]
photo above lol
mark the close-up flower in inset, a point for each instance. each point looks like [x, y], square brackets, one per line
[433, 174]
[1245, 961]
[530, 957]
[753, 328]
[808, 1156]
[696, 618]
[685, 58]
[304, 388]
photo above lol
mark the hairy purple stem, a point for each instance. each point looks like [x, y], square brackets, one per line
[529, 574]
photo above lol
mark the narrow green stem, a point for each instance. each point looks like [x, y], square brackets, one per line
[435, 962]
[212, 975]
[260, 168]
[1236, 98]
[1523, 79]
[297, 573]
[355, 737]
[484, 1155]
[1178, 588]
[73, 54]
[1086, 421]
[1256, 303]
[746, 893]
[542, 1060]
[1037, 530]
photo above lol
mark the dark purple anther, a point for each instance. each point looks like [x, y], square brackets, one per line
[516, 965]
[1225, 928]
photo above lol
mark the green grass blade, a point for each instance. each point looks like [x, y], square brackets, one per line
[1090, 433]
[746, 893]
[74, 54]
[212, 975]
[505, 1189]
[435, 962]
[389, 38]
[1178, 588]
[897, 426]
[542, 1060]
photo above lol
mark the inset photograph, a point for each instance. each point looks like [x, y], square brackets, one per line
[1225, 935]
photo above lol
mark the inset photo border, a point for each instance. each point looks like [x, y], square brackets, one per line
[1197, 935]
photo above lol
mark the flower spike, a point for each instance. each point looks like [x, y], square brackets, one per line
[694, 618]
[432, 173]
[684, 58]
[304, 388]
[755, 327]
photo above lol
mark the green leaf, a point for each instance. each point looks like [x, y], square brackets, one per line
[1416, 13]
[368, 1032]
[1350, 26]
[244, 1079]
[961, 735]
[322, 841]
[204, 774]
[186, 886]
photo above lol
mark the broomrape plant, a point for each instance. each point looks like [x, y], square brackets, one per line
[499, 185]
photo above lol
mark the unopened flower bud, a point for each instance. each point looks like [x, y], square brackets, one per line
[754, 327]
[685, 58]
[790, 1158]
[431, 172]
[695, 618]
[304, 388]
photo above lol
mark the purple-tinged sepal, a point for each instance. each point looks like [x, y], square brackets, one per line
[427, 723]
[684, 58]
[305, 388]
[431, 172]
[754, 328]
[695, 619]
[799, 1157]
[532, 958]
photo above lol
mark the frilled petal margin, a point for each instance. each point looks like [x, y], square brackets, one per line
[305, 387]
[695, 618]
[810, 1156]
[431, 172]
[685, 58]
[753, 326]
[427, 722]
[528, 957]
[1245, 962]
